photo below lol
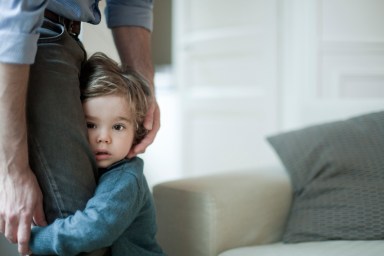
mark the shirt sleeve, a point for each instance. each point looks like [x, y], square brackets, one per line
[19, 21]
[129, 13]
[107, 215]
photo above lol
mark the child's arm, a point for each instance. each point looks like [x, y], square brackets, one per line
[112, 209]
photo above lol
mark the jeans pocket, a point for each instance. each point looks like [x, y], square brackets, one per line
[50, 31]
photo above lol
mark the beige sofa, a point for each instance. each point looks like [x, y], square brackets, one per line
[237, 214]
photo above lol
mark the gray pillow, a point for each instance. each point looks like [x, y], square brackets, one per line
[337, 173]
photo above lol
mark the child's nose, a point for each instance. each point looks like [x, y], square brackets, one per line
[100, 140]
[104, 138]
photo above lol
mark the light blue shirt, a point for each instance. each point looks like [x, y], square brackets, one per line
[20, 19]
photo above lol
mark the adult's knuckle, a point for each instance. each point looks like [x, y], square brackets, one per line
[26, 213]
[12, 218]
[23, 240]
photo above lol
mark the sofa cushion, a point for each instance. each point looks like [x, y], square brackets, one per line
[329, 248]
[337, 173]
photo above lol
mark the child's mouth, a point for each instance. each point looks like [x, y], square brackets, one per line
[101, 155]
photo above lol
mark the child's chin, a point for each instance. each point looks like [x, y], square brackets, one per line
[103, 164]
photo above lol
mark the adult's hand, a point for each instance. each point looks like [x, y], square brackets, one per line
[21, 204]
[152, 124]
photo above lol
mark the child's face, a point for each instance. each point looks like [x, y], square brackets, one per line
[110, 128]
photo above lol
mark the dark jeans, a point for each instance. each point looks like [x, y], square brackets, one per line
[58, 148]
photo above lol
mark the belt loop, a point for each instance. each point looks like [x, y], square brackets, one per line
[73, 27]
[70, 29]
[61, 19]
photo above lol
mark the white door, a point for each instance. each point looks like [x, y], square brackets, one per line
[226, 66]
[333, 59]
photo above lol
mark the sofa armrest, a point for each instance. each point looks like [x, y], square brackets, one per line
[207, 215]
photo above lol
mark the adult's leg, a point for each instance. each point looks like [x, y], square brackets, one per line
[60, 154]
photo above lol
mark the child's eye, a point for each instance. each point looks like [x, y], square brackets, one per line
[118, 127]
[91, 126]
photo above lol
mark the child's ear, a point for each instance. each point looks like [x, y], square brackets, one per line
[139, 134]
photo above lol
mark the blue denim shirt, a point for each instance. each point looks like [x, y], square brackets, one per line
[121, 214]
[20, 19]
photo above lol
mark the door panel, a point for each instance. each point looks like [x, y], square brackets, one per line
[226, 66]
[336, 51]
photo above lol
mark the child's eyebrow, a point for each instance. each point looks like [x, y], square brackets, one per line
[123, 118]
[89, 117]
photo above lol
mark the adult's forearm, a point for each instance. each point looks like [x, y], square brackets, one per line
[134, 47]
[20, 195]
[13, 129]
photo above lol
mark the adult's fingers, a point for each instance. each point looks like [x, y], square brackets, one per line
[150, 137]
[10, 231]
[23, 235]
[148, 121]
[39, 216]
[142, 146]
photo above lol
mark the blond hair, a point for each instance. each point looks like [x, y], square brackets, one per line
[101, 76]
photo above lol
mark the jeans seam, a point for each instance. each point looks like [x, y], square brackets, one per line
[47, 173]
